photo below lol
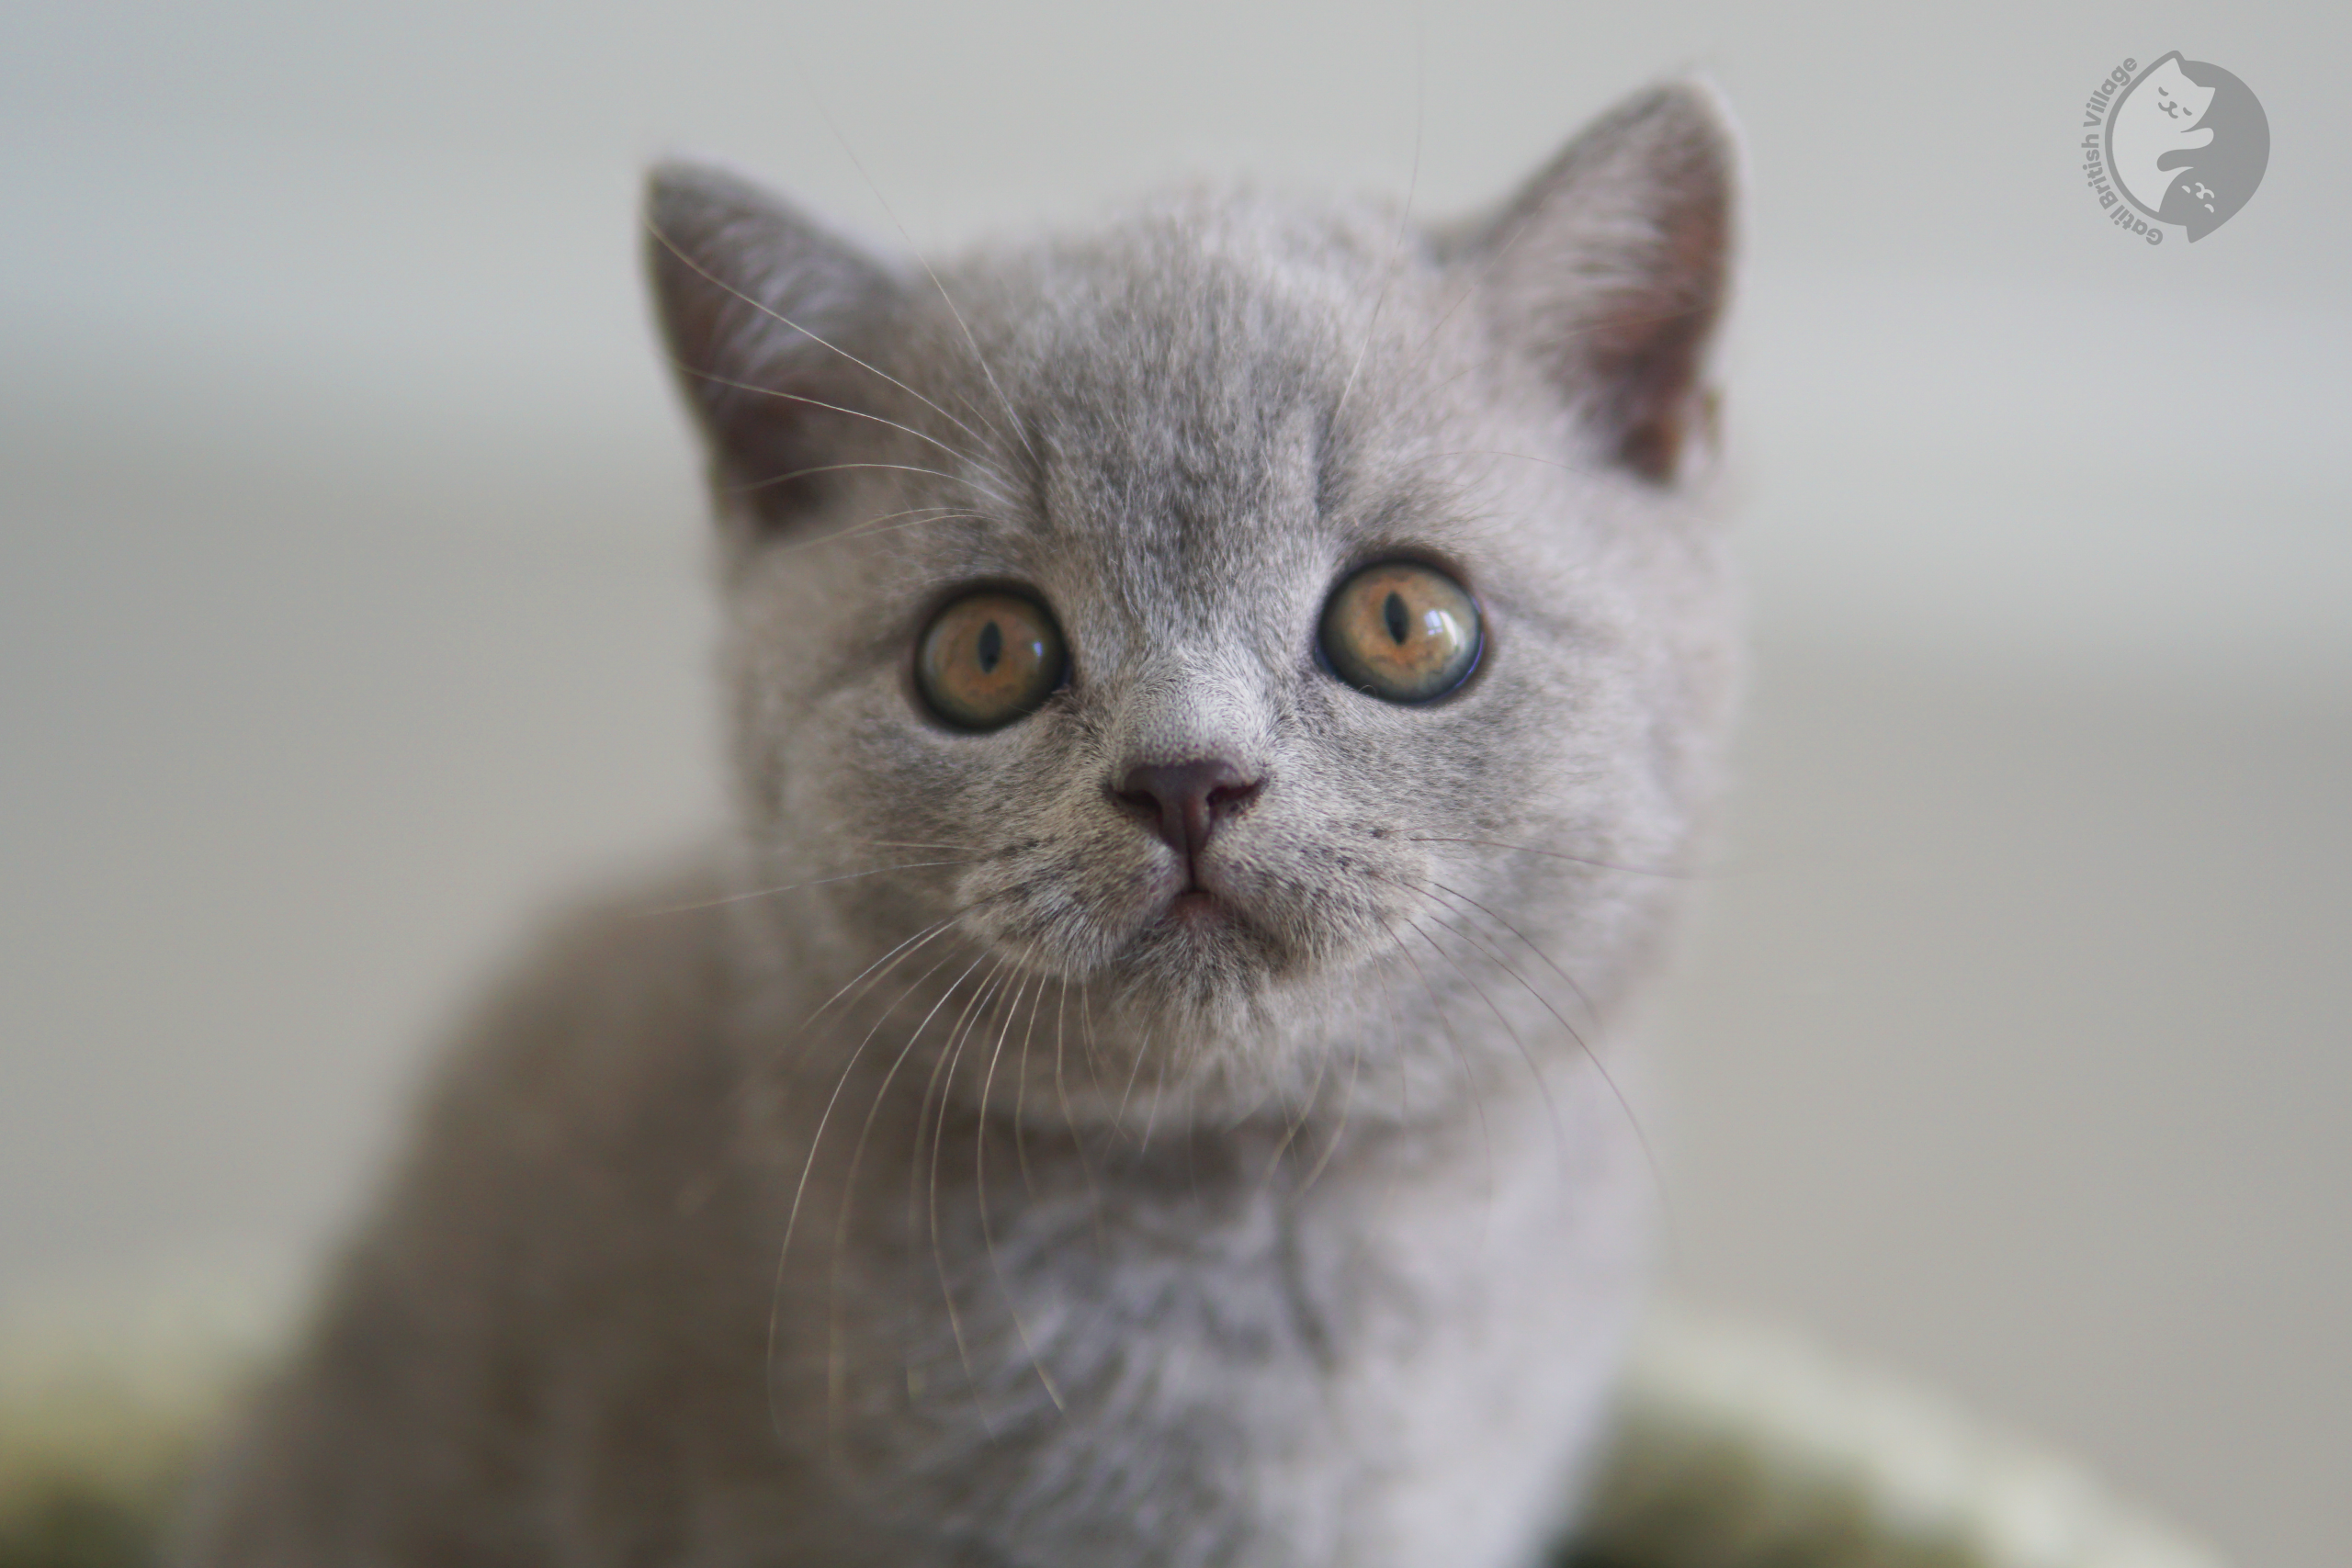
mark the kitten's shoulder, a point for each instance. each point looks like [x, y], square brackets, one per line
[560, 1141]
[620, 995]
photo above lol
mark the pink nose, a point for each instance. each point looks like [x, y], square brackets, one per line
[1184, 802]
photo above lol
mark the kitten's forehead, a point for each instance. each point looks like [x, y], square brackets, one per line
[1186, 385]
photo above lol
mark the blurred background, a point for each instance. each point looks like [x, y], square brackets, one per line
[350, 595]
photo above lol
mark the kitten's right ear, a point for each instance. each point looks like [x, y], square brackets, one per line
[1610, 266]
[771, 321]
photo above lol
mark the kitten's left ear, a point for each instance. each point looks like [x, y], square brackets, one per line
[1610, 268]
[772, 323]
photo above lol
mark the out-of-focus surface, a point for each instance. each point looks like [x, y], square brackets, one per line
[1734, 1448]
[350, 602]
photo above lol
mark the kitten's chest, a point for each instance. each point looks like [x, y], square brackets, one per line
[1242, 1370]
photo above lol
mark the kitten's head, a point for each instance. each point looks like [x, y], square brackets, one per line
[1248, 613]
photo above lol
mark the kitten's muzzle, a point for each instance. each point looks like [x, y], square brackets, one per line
[1184, 802]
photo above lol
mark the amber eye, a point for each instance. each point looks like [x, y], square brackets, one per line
[990, 658]
[1402, 632]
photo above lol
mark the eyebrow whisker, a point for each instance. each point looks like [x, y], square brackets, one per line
[674, 249]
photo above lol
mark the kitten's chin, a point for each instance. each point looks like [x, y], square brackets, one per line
[1193, 965]
[1202, 968]
[1201, 938]
[1199, 990]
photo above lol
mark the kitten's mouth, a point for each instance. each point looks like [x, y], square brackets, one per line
[1196, 906]
[1196, 922]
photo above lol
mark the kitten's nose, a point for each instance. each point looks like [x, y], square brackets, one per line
[1184, 802]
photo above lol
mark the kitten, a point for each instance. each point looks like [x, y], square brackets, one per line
[1200, 689]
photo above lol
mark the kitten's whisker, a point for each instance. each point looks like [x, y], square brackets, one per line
[930, 1086]
[1633, 1122]
[833, 1366]
[1542, 1086]
[792, 888]
[674, 249]
[802, 1039]
[980, 995]
[1061, 1082]
[773, 479]
[1555, 854]
[915, 1159]
[1191, 1134]
[1469, 1079]
[1271, 1091]
[919, 939]
[993, 991]
[859, 164]
[1119, 1116]
[853, 530]
[1485, 949]
[858, 1156]
[1305, 1111]
[1403, 1068]
[841, 1221]
[1086, 1036]
[980, 1186]
[1151, 1117]
[1011, 416]
[878, 532]
[1021, 1095]
[906, 517]
[1070, 1123]
[817, 1138]
[955, 452]
[1396, 241]
[1347, 1101]
[920, 516]
[1478, 282]
[1591, 1012]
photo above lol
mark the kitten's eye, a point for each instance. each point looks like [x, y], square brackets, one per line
[988, 660]
[1402, 632]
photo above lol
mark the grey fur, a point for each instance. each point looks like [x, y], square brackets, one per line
[969, 1211]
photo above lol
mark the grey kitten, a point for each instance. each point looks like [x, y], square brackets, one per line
[1201, 690]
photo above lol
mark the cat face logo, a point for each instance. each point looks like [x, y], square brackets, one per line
[2188, 144]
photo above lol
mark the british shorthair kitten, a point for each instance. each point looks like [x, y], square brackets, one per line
[1215, 703]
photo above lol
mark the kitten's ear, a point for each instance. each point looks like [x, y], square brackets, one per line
[1610, 268]
[768, 317]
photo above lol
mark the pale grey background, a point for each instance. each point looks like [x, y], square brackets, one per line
[349, 594]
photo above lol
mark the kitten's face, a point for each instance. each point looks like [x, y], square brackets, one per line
[1196, 467]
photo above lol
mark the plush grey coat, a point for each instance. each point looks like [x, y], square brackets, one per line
[964, 1168]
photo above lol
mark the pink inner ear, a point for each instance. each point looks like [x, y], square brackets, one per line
[1654, 362]
[1611, 266]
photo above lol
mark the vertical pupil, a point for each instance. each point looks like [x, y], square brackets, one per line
[1392, 612]
[991, 648]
